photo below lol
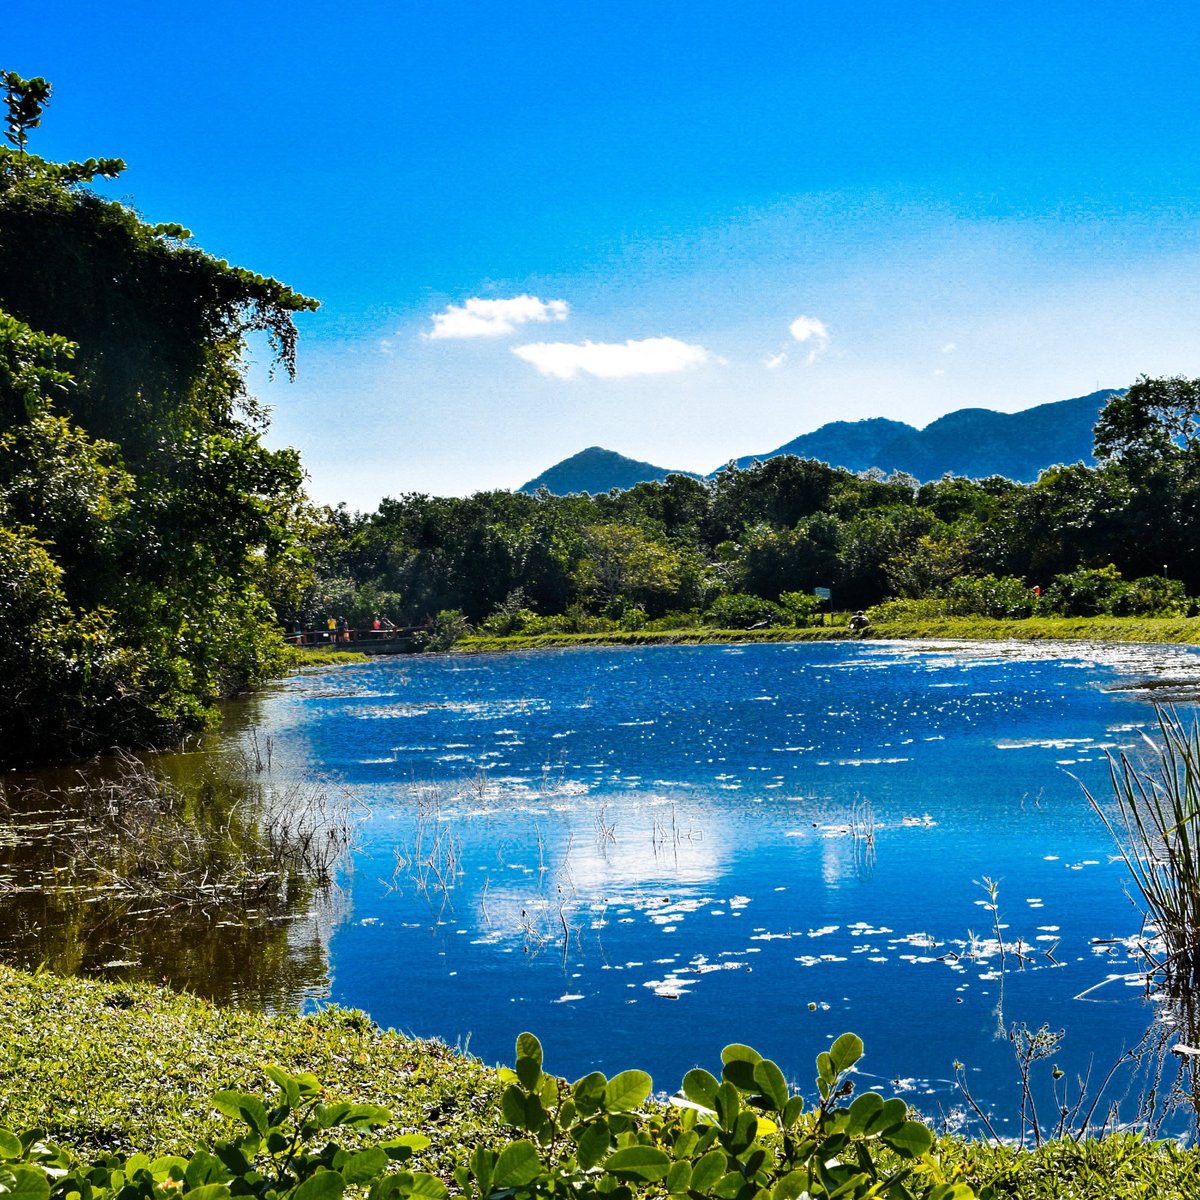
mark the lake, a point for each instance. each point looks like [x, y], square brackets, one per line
[642, 854]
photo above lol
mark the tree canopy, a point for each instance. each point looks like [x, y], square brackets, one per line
[144, 520]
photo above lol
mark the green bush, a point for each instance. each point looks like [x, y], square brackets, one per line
[892, 611]
[744, 1136]
[1002, 598]
[742, 611]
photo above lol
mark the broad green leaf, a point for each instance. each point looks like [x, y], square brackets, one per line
[825, 1070]
[517, 1165]
[792, 1111]
[365, 1116]
[324, 1185]
[738, 1063]
[241, 1106]
[10, 1145]
[865, 1110]
[512, 1106]
[911, 1140]
[790, 1186]
[593, 1144]
[846, 1051]
[28, 1184]
[679, 1177]
[728, 1186]
[404, 1146]
[708, 1170]
[588, 1093]
[700, 1087]
[427, 1187]
[893, 1113]
[169, 1166]
[638, 1162]
[285, 1083]
[529, 1060]
[483, 1165]
[202, 1168]
[727, 1105]
[769, 1080]
[209, 1191]
[535, 1114]
[627, 1091]
[365, 1165]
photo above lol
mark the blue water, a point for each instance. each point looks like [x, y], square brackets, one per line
[643, 854]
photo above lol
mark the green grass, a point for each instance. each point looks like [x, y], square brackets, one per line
[104, 1066]
[322, 656]
[1185, 630]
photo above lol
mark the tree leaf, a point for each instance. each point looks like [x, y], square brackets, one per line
[790, 1186]
[427, 1187]
[588, 1093]
[517, 1165]
[769, 1080]
[911, 1140]
[627, 1091]
[241, 1106]
[29, 1183]
[593, 1144]
[639, 1162]
[846, 1051]
[738, 1063]
[365, 1165]
[324, 1185]
[700, 1087]
[708, 1170]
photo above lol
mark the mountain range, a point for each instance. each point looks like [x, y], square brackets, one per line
[975, 442]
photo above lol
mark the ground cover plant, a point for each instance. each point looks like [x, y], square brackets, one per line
[110, 1071]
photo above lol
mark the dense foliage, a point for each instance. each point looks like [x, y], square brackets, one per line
[743, 1137]
[749, 547]
[146, 534]
[138, 1098]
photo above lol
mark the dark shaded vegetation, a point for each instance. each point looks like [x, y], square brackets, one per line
[147, 536]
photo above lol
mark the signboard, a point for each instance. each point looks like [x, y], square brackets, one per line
[822, 593]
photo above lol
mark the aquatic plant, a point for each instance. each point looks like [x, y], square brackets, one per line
[1157, 833]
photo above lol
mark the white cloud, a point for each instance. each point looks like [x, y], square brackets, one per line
[613, 360]
[949, 348]
[810, 329]
[775, 360]
[494, 318]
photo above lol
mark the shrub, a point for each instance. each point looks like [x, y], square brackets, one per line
[742, 611]
[1002, 598]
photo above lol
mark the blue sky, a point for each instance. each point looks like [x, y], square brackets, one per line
[683, 231]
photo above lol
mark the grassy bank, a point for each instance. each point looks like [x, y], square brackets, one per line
[1180, 630]
[115, 1066]
[101, 1066]
[321, 656]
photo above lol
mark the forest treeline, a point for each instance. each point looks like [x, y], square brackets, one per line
[153, 549]
[751, 545]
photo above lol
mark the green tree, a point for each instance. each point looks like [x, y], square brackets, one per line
[131, 458]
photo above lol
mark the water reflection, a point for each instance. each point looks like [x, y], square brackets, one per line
[199, 870]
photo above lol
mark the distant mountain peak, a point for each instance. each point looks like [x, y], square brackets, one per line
[596, 470]
[975, 442]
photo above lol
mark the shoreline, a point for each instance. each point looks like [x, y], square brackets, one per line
[1181, 631]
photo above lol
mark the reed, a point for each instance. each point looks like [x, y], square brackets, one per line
[1157, 832]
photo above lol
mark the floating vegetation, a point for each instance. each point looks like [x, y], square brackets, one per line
[142, 873]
